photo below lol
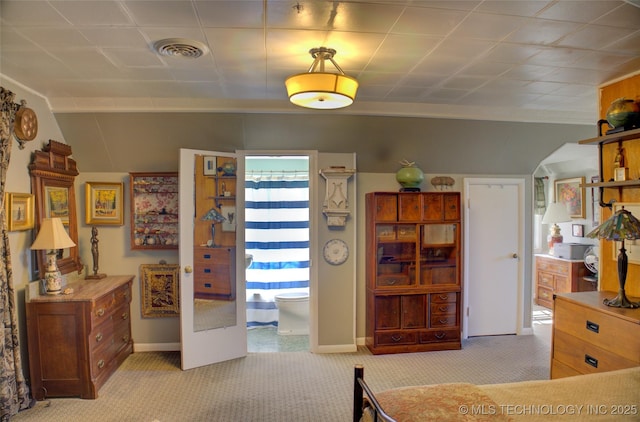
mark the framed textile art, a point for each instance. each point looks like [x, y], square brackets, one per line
[160, 291]
[571, 193]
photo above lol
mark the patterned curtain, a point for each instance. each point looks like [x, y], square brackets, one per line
[277, 235]
[540, 205]
[14, 392]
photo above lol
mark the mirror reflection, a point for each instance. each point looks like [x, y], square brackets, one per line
[214, 249]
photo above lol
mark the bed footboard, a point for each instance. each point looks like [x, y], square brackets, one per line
[360, 390]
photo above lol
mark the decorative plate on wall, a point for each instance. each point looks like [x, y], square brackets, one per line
[26, 124]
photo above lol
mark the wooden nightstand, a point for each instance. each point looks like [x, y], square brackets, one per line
[589, 336]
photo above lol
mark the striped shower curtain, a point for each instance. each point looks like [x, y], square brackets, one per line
[277, 235]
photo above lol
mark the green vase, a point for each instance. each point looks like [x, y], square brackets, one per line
[409, 176]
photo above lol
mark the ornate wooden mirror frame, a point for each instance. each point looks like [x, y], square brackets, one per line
[52, 170]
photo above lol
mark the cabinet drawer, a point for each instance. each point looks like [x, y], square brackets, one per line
[545, 279]
[101, 359]
[449, 320]
[432, 207]
[122, 295]
[101, 335]
[552, 265]
[386, 207]
[102, 308]
[391, 280]
[395, 337]
[443, 308]
[409, 207]
[562, 284]
[451, 207]
[600, 329]
[585, 357]
[444, 297]
[439, 335]
[545, 295]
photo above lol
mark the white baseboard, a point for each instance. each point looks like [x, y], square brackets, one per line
[338, 348]
[156, 347]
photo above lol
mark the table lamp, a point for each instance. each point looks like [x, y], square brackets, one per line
[52, 236]
[621, 226]
[556, 213]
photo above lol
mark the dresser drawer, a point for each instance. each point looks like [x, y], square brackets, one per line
[444, 297]
[101, 335]
[443, 321]
[102, 308]
[586, 357]
[435, 336]
[552, 265]
[545, 296]
[545, 279]
[392, 338]
[598, 328]
[101, 360]
[443, 308]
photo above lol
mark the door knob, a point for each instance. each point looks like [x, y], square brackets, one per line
[188, 269]
[514, 256]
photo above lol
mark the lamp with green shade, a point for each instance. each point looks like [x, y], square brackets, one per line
[621, 226]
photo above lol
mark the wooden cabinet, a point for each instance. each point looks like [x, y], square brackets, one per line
[555, 275]
[214, 273]
[413, 271]
[154, 210]
[77, 341]
[589, 336]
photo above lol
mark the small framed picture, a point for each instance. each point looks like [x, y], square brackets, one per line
[104, 203]
[19, 211]
[210, 166]
[577, 230]
[56, 203]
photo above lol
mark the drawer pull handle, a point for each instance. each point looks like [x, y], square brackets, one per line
[207, 256]
[592, 326]
[125, 338]
[590, 360]
[443, 297]
[443, 308]
[98, 337]
[396, 337]
[392, 281]
[443, 320]
[440, 336]
[125, 315]
[100, 312]
[100, 364]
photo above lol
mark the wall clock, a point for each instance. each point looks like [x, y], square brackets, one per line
[335, 251]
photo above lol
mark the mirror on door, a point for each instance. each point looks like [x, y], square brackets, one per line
[214, 249]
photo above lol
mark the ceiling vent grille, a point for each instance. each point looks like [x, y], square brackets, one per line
[180, 47]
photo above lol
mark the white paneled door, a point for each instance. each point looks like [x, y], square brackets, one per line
[494, 241]
[224, 340]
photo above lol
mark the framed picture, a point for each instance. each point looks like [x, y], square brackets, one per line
[56, 203]
[104, 203]
[571, 193]
[160, 291]
[19, 211]
[229, 213]
[577, 230]
[210, 167]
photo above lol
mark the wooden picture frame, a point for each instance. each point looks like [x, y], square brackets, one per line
[104, 203]
[210, 167]
[159, 290]
[571, 192]
[19, 211]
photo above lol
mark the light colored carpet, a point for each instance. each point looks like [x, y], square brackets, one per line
[295, 386]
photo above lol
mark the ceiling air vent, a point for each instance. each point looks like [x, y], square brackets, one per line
[180, 47]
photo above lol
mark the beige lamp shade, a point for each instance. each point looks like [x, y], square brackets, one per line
[52, 235]
[556, 213]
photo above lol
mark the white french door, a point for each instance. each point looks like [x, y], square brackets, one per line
[224, 341]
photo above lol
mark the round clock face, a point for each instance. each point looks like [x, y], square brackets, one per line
[335, 251]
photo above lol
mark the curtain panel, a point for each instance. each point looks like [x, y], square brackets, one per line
[277, 235]
[14, 392]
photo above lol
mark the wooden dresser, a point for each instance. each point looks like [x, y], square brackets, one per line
[214, 272]
[555, 275]
[589, 336]
[77, 341]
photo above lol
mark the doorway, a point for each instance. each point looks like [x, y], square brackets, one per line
[277, 246]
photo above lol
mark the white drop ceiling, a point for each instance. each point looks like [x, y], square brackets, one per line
[496, 60]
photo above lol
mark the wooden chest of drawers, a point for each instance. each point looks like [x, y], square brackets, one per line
[77, 341]
[214, 275]
[554, 275]
[589, 336]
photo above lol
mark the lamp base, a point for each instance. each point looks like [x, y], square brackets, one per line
[621, 301]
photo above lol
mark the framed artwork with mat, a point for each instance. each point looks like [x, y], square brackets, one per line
[160, 291]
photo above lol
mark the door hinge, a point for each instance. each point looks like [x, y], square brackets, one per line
[467, 312]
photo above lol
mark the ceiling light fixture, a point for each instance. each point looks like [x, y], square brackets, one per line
[319, 89]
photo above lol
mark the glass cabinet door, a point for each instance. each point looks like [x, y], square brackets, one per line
[439, 254]
[396, 255]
